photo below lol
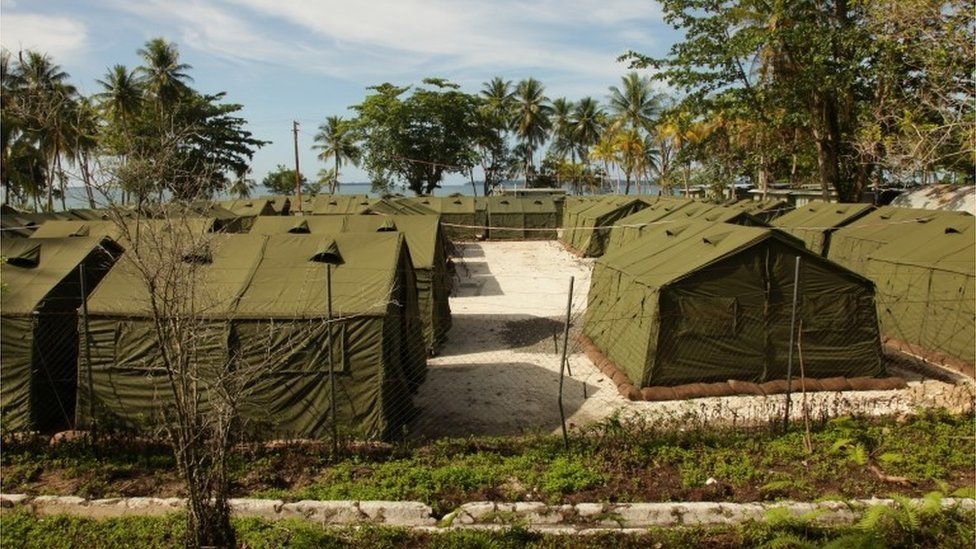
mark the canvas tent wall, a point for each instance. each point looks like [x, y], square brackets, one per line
[461, 216]
[39, 331]
[589, 234]
[814, 222]
[521, 218]
[399, 206]
[428, 252]
[280, 204]
[265, 303]
[705, 302]
[925, 280]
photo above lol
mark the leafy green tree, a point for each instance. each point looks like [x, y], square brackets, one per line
[337, 140]
[281, 180]
[419, 138]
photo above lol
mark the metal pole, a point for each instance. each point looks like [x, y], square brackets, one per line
[298, 173]
[332, 389]
[562, 363]
[789, 364]
[91, 383]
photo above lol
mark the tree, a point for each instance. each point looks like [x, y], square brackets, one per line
[418, 138]
[336, 139]
[586, 125]
[492, 125]
[281, 180]
[122, 95]
[531, 120]
[634, 104]
[163, 75]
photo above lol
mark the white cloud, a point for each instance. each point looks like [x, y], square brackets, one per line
[397, 39]
[63, 38]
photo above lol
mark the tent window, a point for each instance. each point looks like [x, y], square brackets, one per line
[952, 230]
[708, 316]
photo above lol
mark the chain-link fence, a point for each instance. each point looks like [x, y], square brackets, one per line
[316, 338]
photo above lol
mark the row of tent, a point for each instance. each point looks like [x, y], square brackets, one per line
[262, 307]
[593, 226]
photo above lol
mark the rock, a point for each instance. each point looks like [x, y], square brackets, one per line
[323, 512]
[398, 513]
[268, 509]
[10, 500]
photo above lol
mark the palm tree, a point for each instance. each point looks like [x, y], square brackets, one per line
[635, 104]
[561, 120]
[586, 126]
[241, 186]
[337, 141]
[605, 151]
[48, 100]
[630, 151]
[531, 120]
[122, 95]
[164, 76]
[499, 98]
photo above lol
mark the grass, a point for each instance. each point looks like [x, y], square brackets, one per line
[611, 462]
[906, 525]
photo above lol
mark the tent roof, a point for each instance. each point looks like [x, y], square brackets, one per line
[669, 253]
[889, 222]
[315, 224]
[604, 207]
[34, 267]
[61, 229]
[248, 207]
[290, 280]
[822, 215]
[946, 244]
[422, 233]
[332, 204]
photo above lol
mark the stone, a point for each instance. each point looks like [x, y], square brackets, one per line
[9, 500]
[323, 512]
[644, 515]
[59, 505]
[398, 513]
[268, 509]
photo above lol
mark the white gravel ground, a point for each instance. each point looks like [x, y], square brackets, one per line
[498, 373]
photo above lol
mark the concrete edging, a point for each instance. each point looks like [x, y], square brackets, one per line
[485, 514]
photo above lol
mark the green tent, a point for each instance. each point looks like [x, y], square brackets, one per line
[129, 231]
[633, 226]
[589, 233]
[342, 204]
[307, 204]
[764, 210]
[399, 206]
[246, 209]
[461, 215]
[521, 218]
[851, 245]
[925, 279]
[262, 303]
[428, 251]
[280, 203]
[17, 224]
[709, 302]
[39, 326]
[816, 221]
[305, 224]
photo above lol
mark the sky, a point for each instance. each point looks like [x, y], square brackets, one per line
[304, 60]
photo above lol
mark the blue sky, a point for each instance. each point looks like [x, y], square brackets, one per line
[304, 60]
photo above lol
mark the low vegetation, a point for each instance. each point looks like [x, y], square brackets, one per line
[850, 458]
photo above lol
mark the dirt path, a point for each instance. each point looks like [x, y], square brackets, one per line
[498, 373]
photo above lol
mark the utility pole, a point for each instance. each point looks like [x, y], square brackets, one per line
[298, 173]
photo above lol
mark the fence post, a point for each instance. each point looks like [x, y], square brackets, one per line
[86, 336]
[332, 389]
[789, 364]
[562, 363]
